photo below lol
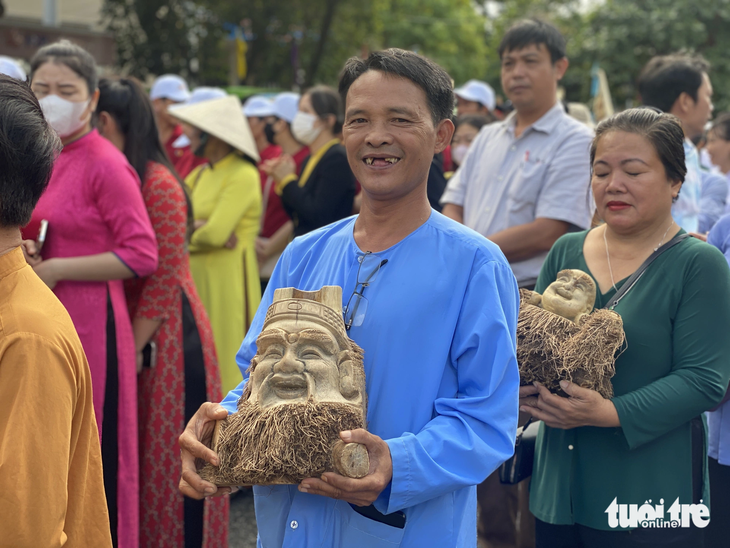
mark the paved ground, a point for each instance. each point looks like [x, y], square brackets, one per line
[242, 532]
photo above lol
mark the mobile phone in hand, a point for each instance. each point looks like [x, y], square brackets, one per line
[42, 232]
[149, 355]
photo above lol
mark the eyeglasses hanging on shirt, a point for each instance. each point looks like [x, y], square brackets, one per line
[357, 305]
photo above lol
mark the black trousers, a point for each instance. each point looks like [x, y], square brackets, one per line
[717, 533]
[195, 396]
[109, 441]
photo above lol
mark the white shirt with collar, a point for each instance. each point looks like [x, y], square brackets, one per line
[507, 181]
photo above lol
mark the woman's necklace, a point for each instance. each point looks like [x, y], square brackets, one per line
[608, 257]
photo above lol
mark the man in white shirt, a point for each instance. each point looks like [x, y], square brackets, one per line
[524, 182]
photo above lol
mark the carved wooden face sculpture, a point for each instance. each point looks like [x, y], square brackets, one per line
[571, 295]
[304, 355]
[306, 385]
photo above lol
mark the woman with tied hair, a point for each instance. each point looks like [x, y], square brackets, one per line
[325, 190]
[97, 234]
[648, 442]
[165, 310]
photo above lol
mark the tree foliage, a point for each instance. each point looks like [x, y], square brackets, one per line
[302, 42]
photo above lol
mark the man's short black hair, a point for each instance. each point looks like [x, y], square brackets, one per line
[533, 32]
[423, 72]
[28, 149]
[666, 77]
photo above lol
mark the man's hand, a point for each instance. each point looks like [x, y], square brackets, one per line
[361, 492]
[583, 407]
[195, 450]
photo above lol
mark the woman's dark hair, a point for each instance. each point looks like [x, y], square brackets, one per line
[125, 101]
[426, 74]
[666, 77]
[28, 150]
[663, 131]
[721, 126]
[533, 32]
[477, 121]
[326, 102]
[74, 57]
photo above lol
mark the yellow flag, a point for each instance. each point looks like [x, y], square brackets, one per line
[241, 49]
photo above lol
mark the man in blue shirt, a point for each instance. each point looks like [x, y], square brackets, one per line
[437, 322]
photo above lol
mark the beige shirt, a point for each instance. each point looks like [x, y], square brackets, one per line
[51, 483]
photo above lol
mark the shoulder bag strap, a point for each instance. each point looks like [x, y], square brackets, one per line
[621, 293]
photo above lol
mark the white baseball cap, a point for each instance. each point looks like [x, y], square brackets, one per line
[198, 95]
[258, 107]
[479, 92]
[170, 86]
[12, 68]
[286, 105]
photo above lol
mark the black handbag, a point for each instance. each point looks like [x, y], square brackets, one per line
[519, 466]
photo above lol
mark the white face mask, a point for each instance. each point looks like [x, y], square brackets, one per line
[458, 153]
[302, 127]
[64, 116]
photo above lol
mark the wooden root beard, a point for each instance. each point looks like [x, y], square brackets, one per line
[283, 444]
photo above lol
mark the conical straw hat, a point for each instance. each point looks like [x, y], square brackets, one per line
[220, 118]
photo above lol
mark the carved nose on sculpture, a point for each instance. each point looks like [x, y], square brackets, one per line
[289, 364]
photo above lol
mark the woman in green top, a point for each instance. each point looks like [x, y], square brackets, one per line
[647, 443]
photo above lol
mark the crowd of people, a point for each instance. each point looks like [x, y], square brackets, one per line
[143, 234]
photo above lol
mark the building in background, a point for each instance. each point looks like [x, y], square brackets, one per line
[26, 25]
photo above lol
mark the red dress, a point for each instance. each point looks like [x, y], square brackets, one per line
[275, 215]
[162, 388]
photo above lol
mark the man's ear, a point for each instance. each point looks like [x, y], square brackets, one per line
[444, 132]
[561, 66]
[684, 103]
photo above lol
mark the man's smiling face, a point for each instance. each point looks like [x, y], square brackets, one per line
[390, 135]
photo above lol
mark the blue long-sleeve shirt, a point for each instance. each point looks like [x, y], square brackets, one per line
[439, 336]
[718, 421]
[713, 197]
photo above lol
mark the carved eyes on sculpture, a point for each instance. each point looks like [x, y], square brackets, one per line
[277, 352]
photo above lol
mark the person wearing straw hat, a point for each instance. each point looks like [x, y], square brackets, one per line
[226, 199]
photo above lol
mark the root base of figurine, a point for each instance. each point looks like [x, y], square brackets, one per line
[283, 444]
